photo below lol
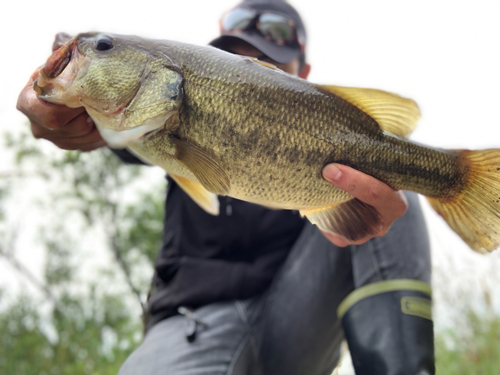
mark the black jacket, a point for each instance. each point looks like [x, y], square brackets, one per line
[206, 258]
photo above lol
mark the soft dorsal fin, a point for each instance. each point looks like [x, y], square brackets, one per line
[203, 166]
[393, 113]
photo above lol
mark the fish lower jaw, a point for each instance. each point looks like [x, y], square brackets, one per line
[56, 90]
[54, 93]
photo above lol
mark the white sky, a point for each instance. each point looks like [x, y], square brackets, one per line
[444, 54]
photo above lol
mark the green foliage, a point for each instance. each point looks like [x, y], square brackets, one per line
[475, 350]
[145, 227]
[22, 146]
[78, 322]
[58, 265]
[79, 345]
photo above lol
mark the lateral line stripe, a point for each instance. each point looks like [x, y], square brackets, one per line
[382, 287]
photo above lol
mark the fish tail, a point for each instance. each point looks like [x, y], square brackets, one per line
[474, 211]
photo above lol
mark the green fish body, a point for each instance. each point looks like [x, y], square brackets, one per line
[222, 124]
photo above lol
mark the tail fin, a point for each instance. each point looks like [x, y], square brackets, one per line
[474, 214]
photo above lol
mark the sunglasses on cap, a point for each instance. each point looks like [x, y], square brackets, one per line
[273, 26]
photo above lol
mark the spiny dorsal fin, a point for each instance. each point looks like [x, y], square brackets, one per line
[205, 199]
[393, 113]
[202, 165]
[263, 63]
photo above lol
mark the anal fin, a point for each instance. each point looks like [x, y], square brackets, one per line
[352, 220]
[205, 199]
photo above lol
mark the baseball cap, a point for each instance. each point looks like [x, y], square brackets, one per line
[281, 53]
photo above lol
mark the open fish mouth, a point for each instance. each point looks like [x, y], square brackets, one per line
[71, 75]
[59, 72]
[59, 59]
[55, 64]
[60, 40]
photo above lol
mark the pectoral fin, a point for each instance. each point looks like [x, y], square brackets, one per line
[352, 220]
[202, 165]
[205, 199]
[393, 113]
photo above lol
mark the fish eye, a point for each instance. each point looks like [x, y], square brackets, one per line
[104, 43]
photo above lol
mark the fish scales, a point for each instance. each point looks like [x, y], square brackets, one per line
[247, 117]
[229, 125]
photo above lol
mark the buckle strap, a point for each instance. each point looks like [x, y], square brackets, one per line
[382, 287]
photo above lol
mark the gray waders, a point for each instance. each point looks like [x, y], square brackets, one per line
[388, 326]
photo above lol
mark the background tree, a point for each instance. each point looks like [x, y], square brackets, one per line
[84, 315]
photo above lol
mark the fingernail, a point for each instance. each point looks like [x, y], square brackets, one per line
[90, 121]
[332, 173]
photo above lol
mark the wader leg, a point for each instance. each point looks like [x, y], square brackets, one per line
[388, 326]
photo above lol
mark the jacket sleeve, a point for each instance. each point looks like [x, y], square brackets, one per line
[127, 157]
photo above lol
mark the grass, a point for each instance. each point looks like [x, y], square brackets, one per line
[474, 350]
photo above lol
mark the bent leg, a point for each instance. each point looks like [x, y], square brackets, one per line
[388, 320]
[169, 348]
[295, 322]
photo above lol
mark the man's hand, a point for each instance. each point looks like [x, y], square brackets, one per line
[67, 128]
[389, 203]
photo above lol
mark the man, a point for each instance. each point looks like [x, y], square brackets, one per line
[256, 291]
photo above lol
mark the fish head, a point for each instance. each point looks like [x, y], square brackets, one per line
[126, 89]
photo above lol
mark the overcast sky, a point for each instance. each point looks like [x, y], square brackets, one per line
[444, 54]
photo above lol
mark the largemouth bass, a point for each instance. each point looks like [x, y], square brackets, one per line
[222, 124]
